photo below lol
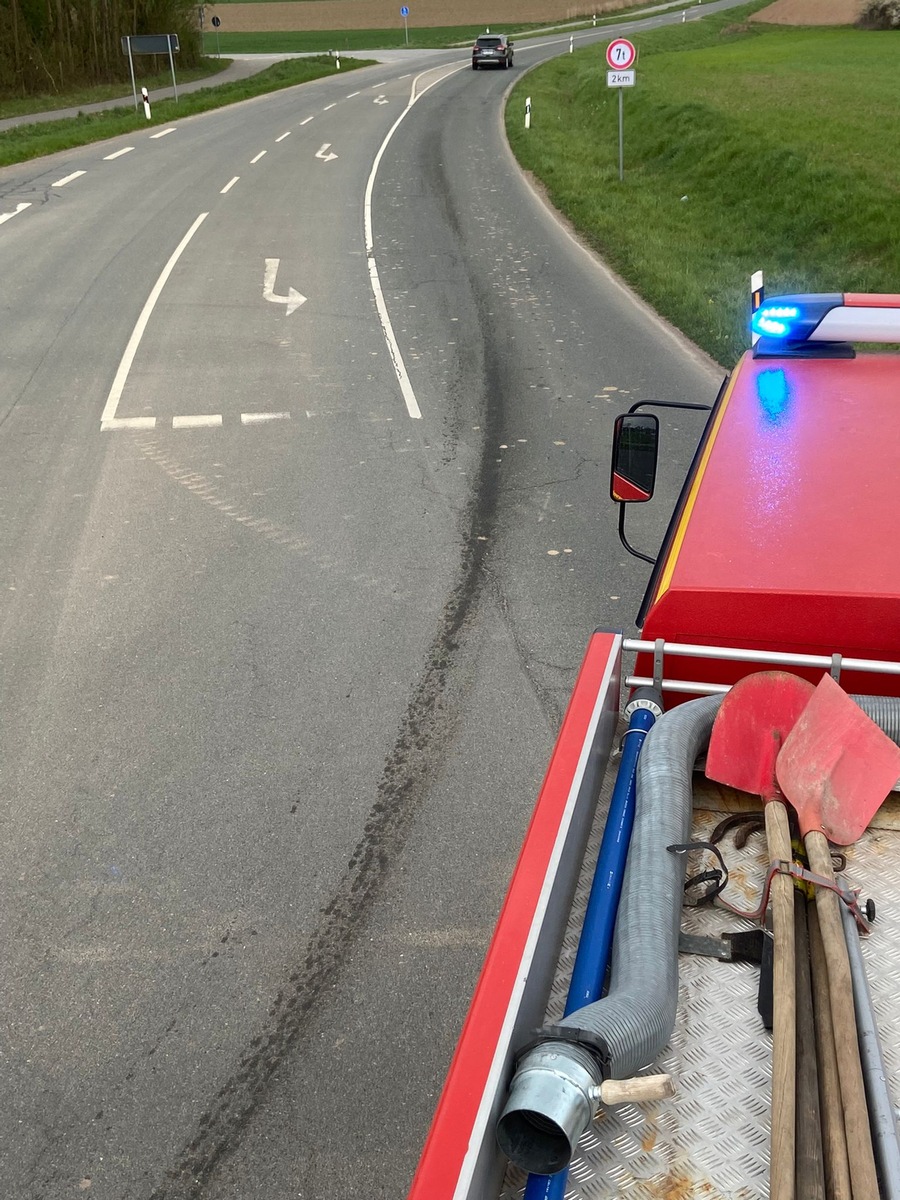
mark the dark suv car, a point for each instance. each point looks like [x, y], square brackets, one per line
[492, 49]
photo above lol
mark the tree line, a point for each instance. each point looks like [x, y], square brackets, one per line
[57, 45]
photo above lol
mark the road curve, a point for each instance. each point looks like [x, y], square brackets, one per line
[282, 661]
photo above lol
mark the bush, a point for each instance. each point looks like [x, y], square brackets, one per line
[880, 14]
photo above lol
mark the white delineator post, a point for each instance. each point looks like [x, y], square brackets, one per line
[337, 59]
[145, 96]
[528, 112]
[571, 42]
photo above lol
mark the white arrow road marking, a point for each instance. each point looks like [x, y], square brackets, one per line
[381, 100]
[324, 152]
[293, 299]
[19, 208]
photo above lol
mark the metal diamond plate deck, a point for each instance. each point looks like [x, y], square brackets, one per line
[712, 1139]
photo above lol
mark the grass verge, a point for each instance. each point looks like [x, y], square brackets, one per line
[31, 141]
[746, 146]
[17, 106]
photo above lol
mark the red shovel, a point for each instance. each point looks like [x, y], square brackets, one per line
[750, 728]
[836, 768]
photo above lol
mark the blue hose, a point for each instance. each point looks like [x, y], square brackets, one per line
[595, 942]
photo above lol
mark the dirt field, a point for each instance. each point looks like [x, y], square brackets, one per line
[506, 14]
[810, 12]
[385, 14]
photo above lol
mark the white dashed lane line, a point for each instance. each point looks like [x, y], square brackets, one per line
[259, 418]
[228, 186]
[352, 94]
[162, 133]
[307, 121]
[19, 208]
[283, 136]
[261, 154]
[118, 153]
[329, 106]
[209, 421]
[68, 179]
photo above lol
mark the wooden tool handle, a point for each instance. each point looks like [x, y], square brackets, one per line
[637, 1091]
[834, 1141]
[809, 1173]
[843, 1017]
[784, 992]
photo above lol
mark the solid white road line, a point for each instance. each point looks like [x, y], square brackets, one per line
[406, 388]
[68, 179]
[283, 136]
[228, 186]
[162, 133]
[307, 121]
[261, 154]
[19, 208]
[210, 421]
[258, 418]
[118, 153]
[115, 392]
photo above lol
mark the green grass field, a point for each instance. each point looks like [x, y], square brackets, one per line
[746, 147]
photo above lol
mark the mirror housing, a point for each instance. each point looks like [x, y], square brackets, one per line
[634, 457]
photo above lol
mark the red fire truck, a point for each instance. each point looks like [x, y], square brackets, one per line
[649, 1071]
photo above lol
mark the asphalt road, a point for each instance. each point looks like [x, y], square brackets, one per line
[281, 664]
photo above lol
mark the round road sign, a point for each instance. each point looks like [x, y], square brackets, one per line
[216, 22]
[620, 54]
[404, 11]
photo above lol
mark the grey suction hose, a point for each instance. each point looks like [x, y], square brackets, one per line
[884, 711]
[554, 1094]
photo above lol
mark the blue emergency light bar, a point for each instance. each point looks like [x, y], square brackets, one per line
[787, 324]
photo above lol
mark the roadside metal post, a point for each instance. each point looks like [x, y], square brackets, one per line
[172, 67]
[621, 138]
[131, 68]
[404, 13]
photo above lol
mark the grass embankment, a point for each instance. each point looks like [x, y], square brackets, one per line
[18, 106]
[746, 147]
[30, 141]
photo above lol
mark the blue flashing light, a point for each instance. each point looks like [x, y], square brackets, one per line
[774, 320]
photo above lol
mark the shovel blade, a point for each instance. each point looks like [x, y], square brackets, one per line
[750, 728]
[836, 766]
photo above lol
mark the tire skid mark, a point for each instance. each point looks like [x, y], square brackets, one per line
[422, 740]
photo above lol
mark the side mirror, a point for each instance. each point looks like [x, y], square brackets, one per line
[635, 447]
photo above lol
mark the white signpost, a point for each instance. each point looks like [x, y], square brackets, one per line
[404, 13]
[620, 58]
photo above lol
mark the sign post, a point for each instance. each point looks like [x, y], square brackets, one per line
[151, 43]
[216, 21]
[404, 13]
[620, 57]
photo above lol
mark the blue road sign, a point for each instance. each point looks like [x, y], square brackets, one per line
[404, 11]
